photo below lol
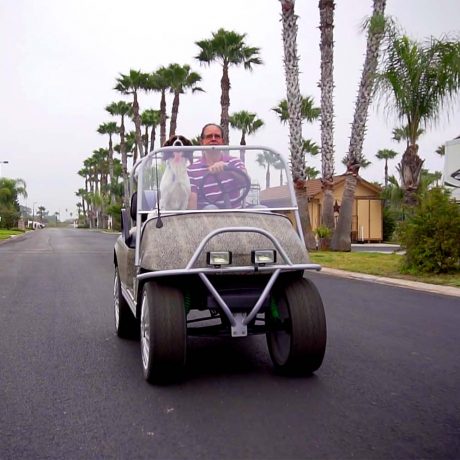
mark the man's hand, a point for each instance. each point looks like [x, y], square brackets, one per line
[217, 167]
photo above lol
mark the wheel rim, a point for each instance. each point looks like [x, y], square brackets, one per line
[280, 335]
[116, 300]
[145, 332]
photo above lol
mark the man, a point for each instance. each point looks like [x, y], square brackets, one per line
[217, 191]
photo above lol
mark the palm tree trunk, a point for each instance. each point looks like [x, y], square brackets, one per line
[163, 118]
[137, 124]
[386, 172]
[410, 170]
[294, 102]
[146, 139]
[152, 137]
[341, 240]
[112, 181]
[174, 112]
[243, 142]
[124, 164]
[326, 8]
[225, 101]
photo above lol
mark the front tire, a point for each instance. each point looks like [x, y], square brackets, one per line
[163, 332]
[126, 325]
[296, 334]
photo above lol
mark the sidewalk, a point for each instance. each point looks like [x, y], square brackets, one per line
[435, 288]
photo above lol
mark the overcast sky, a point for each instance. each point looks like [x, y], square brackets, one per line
[60, 60]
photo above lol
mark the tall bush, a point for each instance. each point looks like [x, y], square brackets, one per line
[431, 235]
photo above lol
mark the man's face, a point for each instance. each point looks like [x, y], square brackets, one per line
[212, 136]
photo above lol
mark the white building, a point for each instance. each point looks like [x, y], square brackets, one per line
[451, 174]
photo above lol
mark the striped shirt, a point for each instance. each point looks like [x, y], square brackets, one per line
[211, 192]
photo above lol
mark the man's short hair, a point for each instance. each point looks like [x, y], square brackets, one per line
[212, 124]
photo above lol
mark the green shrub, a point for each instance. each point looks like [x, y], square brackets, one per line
[323, 232]
[431, 235]
[389, 224]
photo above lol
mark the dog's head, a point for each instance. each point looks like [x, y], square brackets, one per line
[179, 141]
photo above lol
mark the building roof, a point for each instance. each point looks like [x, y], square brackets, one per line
[313, 188]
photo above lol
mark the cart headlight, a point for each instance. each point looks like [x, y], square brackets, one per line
[217, 258]
[263, 256]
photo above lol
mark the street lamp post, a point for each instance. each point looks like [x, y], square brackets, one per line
[4, 162]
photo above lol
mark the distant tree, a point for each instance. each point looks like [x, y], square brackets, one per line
[403, 134]
[150, 119]
[247, 123]
[311, 172]
[386, 154]
[267, 159]
[441, 150]
[308, 110]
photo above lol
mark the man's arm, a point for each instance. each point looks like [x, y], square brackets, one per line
[192, 201]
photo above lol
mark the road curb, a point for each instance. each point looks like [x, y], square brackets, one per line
[14, 238]
[417, 285]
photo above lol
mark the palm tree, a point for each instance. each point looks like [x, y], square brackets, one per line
[41, 212]
[308, 146]
[109, 128]
[227, 48]
[311, 172]
[341, 239]
[294, 106]
[121, 109]
[132, 84]
[402, 134]
[160, 81]
[247, 123]
[267, 159]
[441, 150]
[308, 110]
[363, 162]
[418, 82]
[386, 154]
[150, 119]
[326, 9]
[181, 78]
[10, 191]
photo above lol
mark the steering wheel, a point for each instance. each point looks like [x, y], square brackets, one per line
[230, 181]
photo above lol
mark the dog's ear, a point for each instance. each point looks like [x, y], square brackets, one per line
[184, 140]
[170, 141]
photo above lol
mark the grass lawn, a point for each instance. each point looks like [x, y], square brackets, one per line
[375, 263]
[4, 234]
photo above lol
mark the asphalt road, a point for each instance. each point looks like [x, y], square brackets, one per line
[69, 388]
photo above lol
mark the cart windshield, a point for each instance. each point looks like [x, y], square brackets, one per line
[212, 179]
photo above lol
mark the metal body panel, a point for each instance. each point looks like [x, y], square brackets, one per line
[173, 245]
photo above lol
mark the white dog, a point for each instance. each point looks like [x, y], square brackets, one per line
[175, 183]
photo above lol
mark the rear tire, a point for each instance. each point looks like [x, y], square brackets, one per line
[163, 333]
[126, 325]
[296, 331]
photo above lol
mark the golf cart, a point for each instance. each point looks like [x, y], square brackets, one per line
[233, 267]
